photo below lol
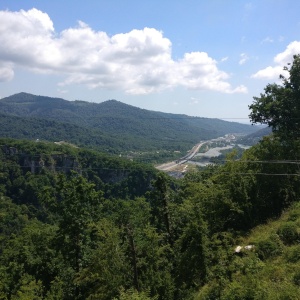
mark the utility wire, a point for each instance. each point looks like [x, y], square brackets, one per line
[41, 155]
[56, 168]
[295, 162]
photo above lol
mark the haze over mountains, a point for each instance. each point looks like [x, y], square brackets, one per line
[111, 125]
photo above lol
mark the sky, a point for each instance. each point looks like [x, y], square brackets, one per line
[193, 57]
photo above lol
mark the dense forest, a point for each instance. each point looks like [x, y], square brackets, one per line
[111, 126]
[78, 224]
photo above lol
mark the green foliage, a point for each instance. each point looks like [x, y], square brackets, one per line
[237, 291]
[296, 278]
[28, 257]
[132, 294]
[110, 126]
[269, 247]
[12, 218]
[279, 106]
[108, 268]
[288, 233]
[29, 289]
[146, 248]
[77, 205]
[77, 224]
[292, 254]
[192, 248]
[29, 166]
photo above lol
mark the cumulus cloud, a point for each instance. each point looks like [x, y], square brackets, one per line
[268, 73]
[280, 60]
[287, 55]
[137, 62]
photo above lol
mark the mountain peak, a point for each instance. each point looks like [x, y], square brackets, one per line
[121, 120]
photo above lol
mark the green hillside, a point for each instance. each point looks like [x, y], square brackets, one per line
[269, 270]
[134, 128]
[49, 130]
[77, 224]
[115, 176]
[255, 137]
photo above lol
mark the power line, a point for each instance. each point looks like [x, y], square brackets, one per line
[296, 162]
[56, 168]
[258, 173]
[41, 155]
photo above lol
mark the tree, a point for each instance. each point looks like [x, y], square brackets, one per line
[147, 264]
[78, 208]
[159, 199]
[279, 106]
[78, 205]
[108, 269]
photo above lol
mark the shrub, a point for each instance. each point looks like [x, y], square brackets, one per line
[270, 247]
[292, 254]
[296, 278]
[234, 291]
[288, 233]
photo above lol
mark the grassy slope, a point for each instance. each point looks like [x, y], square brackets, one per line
[271, 270]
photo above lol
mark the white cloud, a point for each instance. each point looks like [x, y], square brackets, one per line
[6, 73]
[137, 62]
[281, 60]
[224, 59]
[287, 55]
[243, 58]
[267, 40]
[268, 73]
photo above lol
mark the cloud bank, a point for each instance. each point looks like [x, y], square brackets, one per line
[137, 62]
[281, 60]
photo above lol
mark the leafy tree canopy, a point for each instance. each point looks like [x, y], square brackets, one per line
[279, 106]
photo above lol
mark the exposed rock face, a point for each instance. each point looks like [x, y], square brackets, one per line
[10, 150]
[35, 163]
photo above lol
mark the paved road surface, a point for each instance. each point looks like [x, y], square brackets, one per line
[173, 164]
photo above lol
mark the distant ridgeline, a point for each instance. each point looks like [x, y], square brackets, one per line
[255, 137]
[110, 126]
[78, 224]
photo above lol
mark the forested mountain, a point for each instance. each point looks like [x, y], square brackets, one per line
[109, 125]
[80, 225]
[114, 175]
[77, 224]
[255, 137]
[50, 130]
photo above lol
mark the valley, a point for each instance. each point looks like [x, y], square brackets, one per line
[111, 126]
[82, 204]
[149, 150]
[203, 154]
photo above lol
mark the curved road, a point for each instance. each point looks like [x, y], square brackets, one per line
[171, 165]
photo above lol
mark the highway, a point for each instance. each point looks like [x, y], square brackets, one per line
[173, 164]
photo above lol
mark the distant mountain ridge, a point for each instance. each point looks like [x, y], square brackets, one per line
[253, 138]
[112, 121]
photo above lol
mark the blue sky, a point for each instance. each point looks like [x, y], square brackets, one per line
[200, 58]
